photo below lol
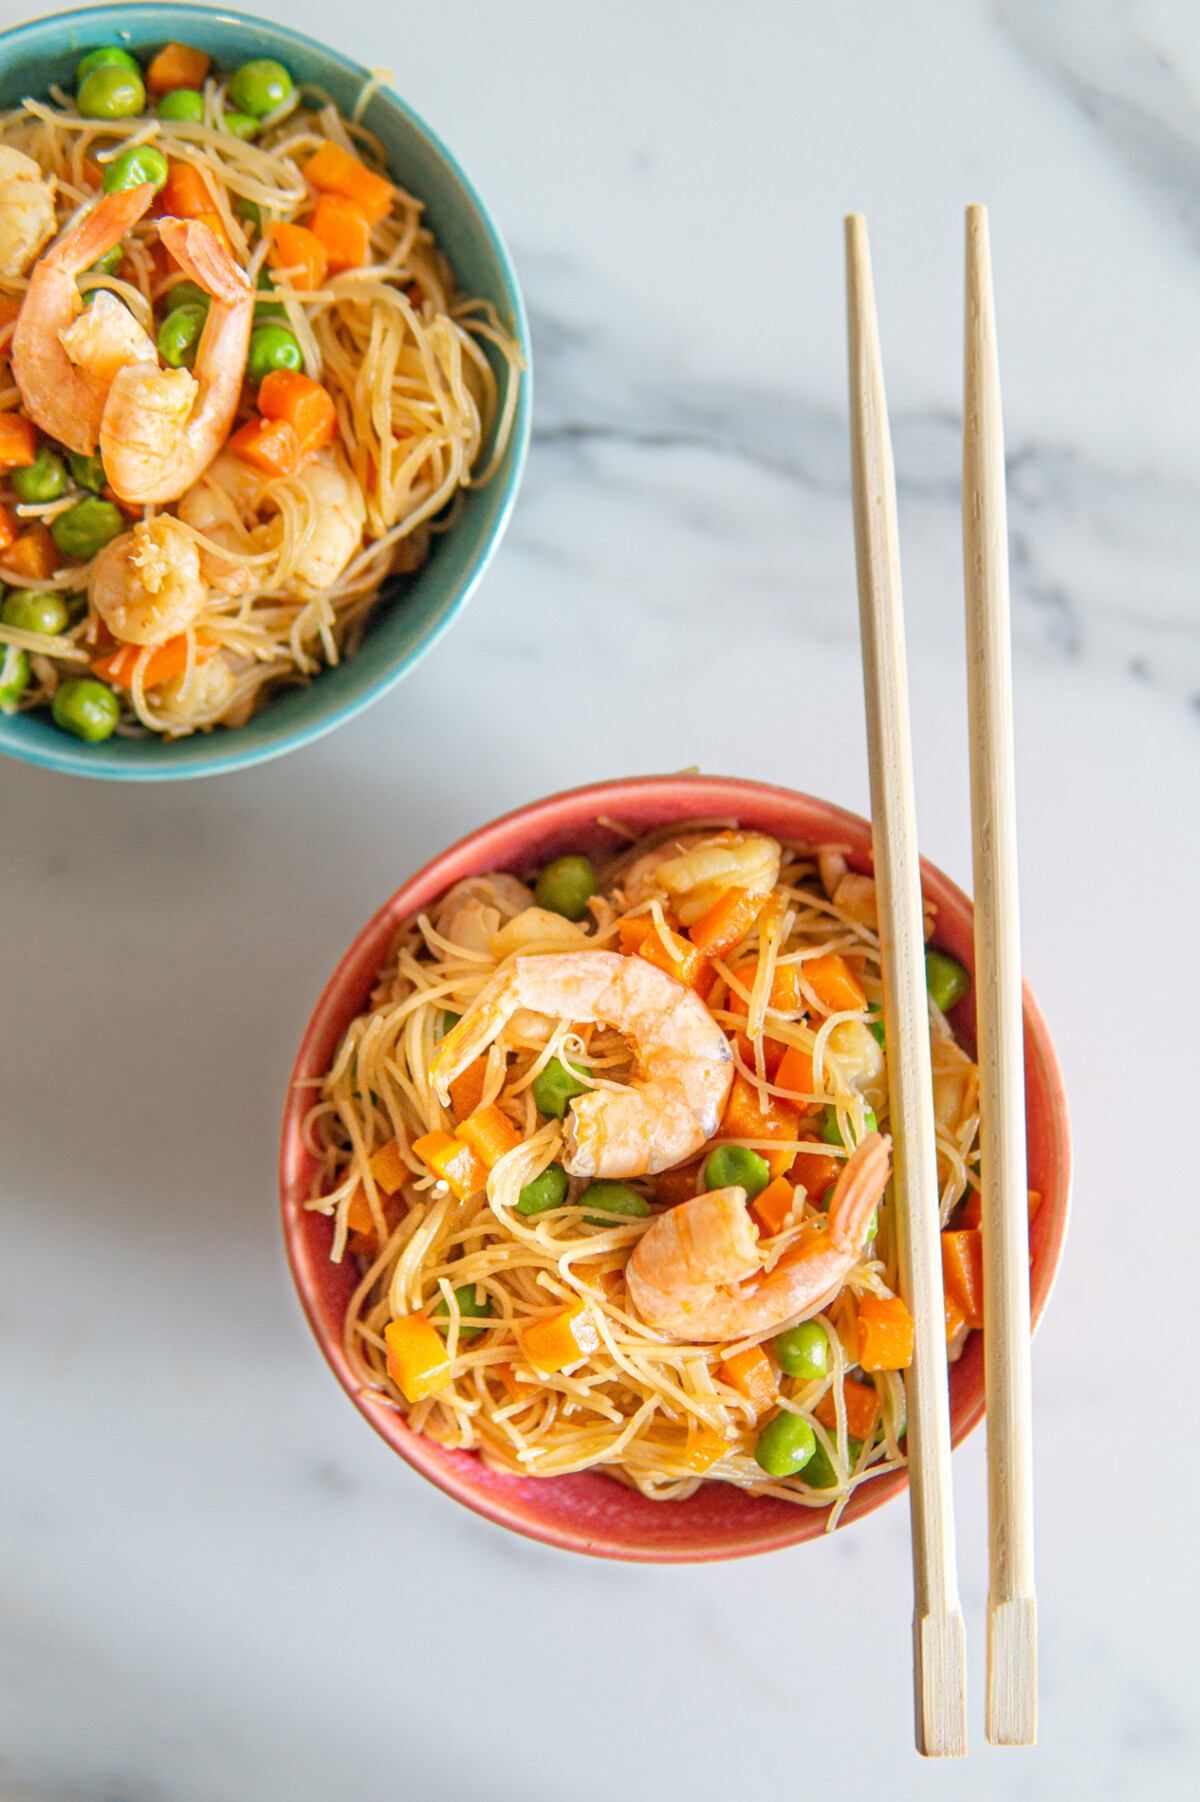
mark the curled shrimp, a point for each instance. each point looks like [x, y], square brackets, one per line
[65, 400]
[697, 1273]
[146, 585]
[26, 210]
[673, 1105]
[161, 428]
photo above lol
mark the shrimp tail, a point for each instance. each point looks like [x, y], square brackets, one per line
[202, 256]
[859, 1188]
[104, 226]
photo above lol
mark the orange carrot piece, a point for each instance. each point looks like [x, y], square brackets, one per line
[753, 1375]
[632, 933]
[745, 1119]
[269, 445]
[34, 554]
[774, 1205]
[956, 1320]
[186, 194]
[862, 1409]
[163, 662]
[344, 230]
[456, 1163]
[704, 1447]
[508, 1376]
[796, 1072]
[359, 1218]
[561, 1338]
[388, 1167]
[301, 253]
[308, 408]
[815, 1168]
[490, 1133]
[176, 66]
[18, 441]
[784, 998]
[10, 531]
[773, 1050]
[682, 961]
[885, 1333]
[834, 983]
[416, 1357]
[333, 170]
[466, 1091]
[962, 1272]
[727, 921]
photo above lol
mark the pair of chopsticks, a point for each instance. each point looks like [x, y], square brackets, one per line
[938, 1639]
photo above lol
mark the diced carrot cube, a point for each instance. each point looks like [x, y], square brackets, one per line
[332, 170]
[176, 66]
[301, 253]
[885, 1333]
[466, 1091]
[962, 1272]
[727, 921]
[160, 664]
[751, 1115]
[862, 1409]
[343, 229]
[515, 1391]
[18, 441]
[784, 998]
[359, 1218]
[753, 1375]
[560, 1338]
[834, 983]
[956, 1320]
[186, 194]
[10, 531]
[490, 1132]
[632, 933]
[815, 1168]
[269, 445]
[795, 1072]
[774, 1205]
[388, 1167]
[308, 407]
[34, 554]
[455, 1163]
[416, 1357]
[680, 960]
[704, 1447]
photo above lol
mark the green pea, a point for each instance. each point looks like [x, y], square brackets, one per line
[85, 707]
[259, 87]
[819, 1472]
[108, 264]
[242, 125]
[248, 211]
[831, 1132]
[179, 335]
[86, 528]
[803, 1351]
[107, 57]
[549, 1190]
[186, 294]
[613, 1198]
[565, 885]
[729, 1164]
[133, 168]
[554, 1087]
[111, 92]
[470, 1307]
[87, 471]
[945, 979]
[31, 610]
[785, 1445]
[272, 347]
[182, 103]
[268, 309]
[14, 677]
[42, 480]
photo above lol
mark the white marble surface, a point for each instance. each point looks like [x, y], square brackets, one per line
[217, 1585]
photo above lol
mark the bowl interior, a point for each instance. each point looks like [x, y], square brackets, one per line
[422, 606]
[590, 1512]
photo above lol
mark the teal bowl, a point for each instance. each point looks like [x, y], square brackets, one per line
[413, 612]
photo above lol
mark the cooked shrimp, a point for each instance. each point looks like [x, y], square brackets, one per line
[146, 585]
[106, 337]
[223, 505]
[161, 428]
[700, 874]
[697, 1273]
[684, 1070]
[68, 403]
[338, 512]
[26, 210]
[184, 702]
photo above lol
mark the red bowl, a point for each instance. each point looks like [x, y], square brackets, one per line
[590, 1512]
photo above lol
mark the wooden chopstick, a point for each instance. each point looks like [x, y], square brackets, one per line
[1012, 1604]
[939, 1649]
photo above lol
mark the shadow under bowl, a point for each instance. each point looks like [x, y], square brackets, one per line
[413, 611]
[589, 1512]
